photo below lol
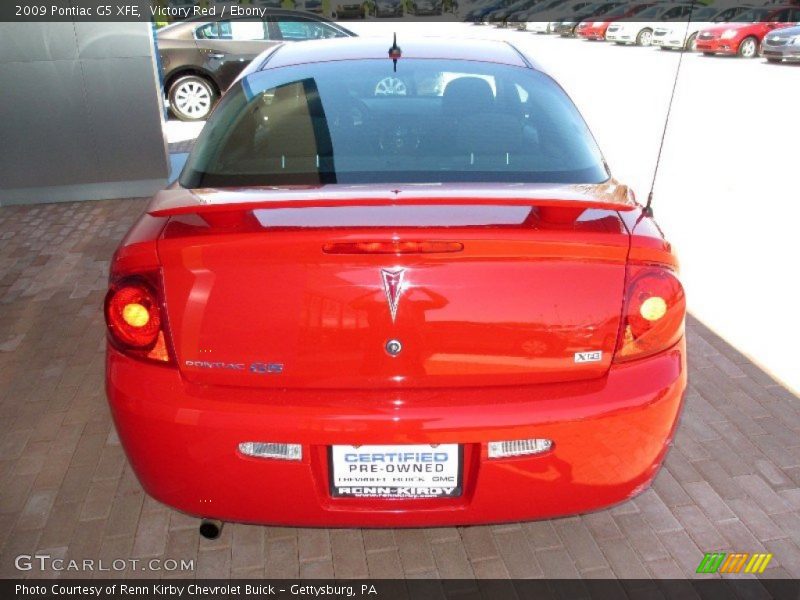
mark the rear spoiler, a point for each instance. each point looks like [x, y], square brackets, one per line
[179, 201]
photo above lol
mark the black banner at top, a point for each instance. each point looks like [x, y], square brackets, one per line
[493, 12]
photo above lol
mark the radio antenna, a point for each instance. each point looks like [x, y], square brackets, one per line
[395, 52]
[648, 208]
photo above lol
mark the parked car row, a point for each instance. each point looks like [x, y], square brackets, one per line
[741, 29]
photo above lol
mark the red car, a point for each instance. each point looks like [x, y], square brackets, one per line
[394, 286]
[595, 28]
[744, 34]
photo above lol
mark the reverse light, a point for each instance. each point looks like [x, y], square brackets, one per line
[654, 311]
[135, 315]
[134, 321]
[272, 450]
[510, 448]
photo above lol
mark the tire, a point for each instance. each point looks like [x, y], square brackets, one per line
[748, 48]
[691, 43]
[645, 37]
[191, 98]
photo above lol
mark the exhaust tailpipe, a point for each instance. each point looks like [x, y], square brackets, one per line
[210, 528]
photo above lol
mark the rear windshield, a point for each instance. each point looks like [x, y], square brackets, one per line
[361, 122]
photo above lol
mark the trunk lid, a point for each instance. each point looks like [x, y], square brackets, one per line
[477, 295]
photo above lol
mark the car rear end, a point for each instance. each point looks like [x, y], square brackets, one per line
[521, 420]
[395, 353]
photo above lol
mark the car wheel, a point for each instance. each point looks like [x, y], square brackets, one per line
[691, 43]
[191, 98]
[748, 48]
[391, 86]
[645, 37]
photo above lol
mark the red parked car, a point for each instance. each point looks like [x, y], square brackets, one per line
[595, 28]
[744, 34]
[394, 287]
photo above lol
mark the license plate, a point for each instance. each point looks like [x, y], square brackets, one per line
[409, 471]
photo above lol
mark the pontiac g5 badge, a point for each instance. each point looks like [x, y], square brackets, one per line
[393, 286]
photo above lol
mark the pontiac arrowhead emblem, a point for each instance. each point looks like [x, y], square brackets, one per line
[393, 286]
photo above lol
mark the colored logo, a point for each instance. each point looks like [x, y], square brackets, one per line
[736, 562]
[393, 286]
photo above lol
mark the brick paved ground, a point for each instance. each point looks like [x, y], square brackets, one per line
[731, 482]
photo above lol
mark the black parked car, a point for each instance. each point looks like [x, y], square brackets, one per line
[200, 59]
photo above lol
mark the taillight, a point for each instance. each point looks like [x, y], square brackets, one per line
[134, 319]
[653, 314]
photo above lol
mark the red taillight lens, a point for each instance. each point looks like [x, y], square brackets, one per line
[654, 311]
[133, 317]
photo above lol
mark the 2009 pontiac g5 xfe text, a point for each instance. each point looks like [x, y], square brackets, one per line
[395, 285]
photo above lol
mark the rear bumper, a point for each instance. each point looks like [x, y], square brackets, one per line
[610, 434]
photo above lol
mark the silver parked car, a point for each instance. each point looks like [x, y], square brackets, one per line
[782, 44]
